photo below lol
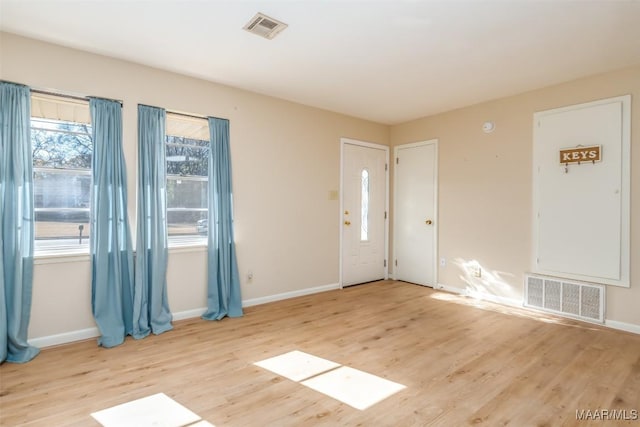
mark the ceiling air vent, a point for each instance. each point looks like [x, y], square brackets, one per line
[265, 26]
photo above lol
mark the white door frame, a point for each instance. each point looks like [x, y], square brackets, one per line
[343, 142]
[625, 203]
[435, 202]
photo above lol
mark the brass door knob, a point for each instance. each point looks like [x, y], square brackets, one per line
[428, 222]
[347, 223]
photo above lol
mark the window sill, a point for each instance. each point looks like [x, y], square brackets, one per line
[82, 254]
[186, 249]
[51, 257]
[188, 245]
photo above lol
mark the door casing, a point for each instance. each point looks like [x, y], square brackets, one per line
[435, 203]
[343, 142]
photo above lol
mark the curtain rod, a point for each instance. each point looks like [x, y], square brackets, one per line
[62, 95]
[86, 99]
[76, 97]
[193, 116]
[175, 113]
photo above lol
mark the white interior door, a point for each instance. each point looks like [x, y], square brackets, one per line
[581, 209]
[364, 201]
[415, 223]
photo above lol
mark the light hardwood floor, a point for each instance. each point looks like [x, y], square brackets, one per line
[462, 361]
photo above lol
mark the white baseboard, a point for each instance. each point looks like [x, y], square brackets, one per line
[481, 296]
[189, 314]
[622, 326]
[447, 288]
[197, 312]
[287, 295]
[64, 338]
[613, 324]
[83, 334]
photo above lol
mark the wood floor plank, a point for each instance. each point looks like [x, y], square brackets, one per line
[463, 362]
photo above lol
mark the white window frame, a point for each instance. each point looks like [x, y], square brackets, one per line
[63, 249]
[194, 240]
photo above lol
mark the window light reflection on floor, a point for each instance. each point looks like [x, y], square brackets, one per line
[358, 389]
[297, 365]
[156, 410]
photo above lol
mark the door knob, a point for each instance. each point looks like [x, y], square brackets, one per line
[428, 222]
[347, 223]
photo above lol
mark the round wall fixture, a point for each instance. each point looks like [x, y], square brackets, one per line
[488, 127]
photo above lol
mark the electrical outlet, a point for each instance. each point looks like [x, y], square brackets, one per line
[249, 275]
[477, 271]
[443, 262]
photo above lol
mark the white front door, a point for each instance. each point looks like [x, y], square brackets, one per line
[364, 199]
[415, 223]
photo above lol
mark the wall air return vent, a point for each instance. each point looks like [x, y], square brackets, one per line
[579, 300]
[265, 26]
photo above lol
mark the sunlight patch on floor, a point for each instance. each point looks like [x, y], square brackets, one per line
[201, 423]
[356, 388]
[152, 411]
[297, 365]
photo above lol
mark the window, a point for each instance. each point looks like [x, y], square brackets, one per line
[62, 155]
[187, 156]
[364, 208]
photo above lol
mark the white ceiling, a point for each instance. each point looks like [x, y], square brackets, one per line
[386, 61]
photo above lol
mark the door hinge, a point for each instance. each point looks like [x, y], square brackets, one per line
[385, 262]
[397, 160]
[386, 166]
[396, 263]
[385, 214]
[537, 260]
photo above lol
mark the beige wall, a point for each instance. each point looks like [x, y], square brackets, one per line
[485, 186]
[285, 163]
[285, 159]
